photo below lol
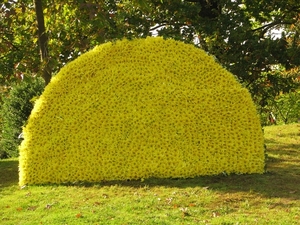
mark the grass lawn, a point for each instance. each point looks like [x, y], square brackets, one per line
[271, 198]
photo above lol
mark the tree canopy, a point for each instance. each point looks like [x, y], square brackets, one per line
[256, 40]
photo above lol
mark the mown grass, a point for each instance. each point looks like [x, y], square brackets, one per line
[271, 198]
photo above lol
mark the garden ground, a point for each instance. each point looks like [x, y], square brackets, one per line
[270, 198]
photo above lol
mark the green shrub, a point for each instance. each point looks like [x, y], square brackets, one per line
[285, 107]
[15, 110]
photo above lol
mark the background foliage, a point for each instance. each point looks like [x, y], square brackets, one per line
[241, 34]
[256, 40]
[15, 111]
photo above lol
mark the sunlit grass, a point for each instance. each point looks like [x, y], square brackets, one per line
[271, 198]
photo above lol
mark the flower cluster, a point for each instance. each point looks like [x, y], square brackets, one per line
[137, 109]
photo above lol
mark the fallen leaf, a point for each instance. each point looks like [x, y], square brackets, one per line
[215, 214]
[32, 208]
[184, 211]
[192, 204]
[105, 196]
[7, 206]
[19, 209]
[169, 200]
[78, 215]
[48, 206]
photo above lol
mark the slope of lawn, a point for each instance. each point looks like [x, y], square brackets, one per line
[270, 198]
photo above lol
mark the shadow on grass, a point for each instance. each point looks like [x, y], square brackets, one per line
[287, 154]
[268, 185]
[281, 179]
[289, 134]
[275, 183]
[274, 143]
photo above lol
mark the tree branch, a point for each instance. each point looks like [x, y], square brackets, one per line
[165, 23]
[280, 21]
[269, 25]
[158, 26]
[43, 40]
[10, 43]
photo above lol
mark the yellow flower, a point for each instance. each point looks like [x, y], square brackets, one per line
[137, 109]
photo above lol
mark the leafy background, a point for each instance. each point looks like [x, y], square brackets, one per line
[258, 41]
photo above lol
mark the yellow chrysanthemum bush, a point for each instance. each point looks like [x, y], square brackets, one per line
[137, 109]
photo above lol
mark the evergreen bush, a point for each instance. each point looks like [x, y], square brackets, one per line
[15, 110]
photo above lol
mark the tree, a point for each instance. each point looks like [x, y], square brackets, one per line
[71, 29]
[18, 55]
[43, 41]
[238, 33]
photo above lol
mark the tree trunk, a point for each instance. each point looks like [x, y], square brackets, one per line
[43, 41]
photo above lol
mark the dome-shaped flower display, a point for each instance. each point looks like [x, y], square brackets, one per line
[137, 109]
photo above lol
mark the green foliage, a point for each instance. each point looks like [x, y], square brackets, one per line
[278, 92]
[240, 34]
[237, 32]
[15, 111]
[286, 107]
[19, 50]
